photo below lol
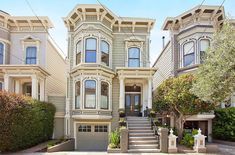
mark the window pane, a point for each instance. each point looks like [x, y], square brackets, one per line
[31, 55]
[205, 43]
[1, 53]
[104, 95]
[188, 59]
[104, 47]
[189, 48]
[105, 58]
[91, 56]
[78, 46]
[77, 95]
[137, 102]
[90, 94]
[78, 58]
[91, 44]
[134, 53]
[134, 62]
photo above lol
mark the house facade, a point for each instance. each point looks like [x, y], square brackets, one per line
[190, 35]
[30, 64]
[108, 69]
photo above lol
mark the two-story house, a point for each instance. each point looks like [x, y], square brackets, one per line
[109, 69]
[30, 63]
[190, 35]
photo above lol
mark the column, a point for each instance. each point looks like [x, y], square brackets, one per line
[121, 94]
[98, 93]
[34, 92]
[17, 86]
[209, 130]
[150, 93]
[6, 82]
[42, 90]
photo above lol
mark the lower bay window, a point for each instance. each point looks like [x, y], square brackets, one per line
[88, 99]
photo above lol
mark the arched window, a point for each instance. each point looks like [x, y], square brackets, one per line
[133, 57]
[1, 53]
[90, 94]
[78, 52]
[105, 53]
[204, 45]
[189, 54]
[77, 95]
[91, 50]
[104, 95]
[31, 55]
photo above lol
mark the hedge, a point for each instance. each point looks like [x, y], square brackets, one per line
[24, 122]
[224, 124]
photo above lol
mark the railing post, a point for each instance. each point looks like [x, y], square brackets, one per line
[163, 137]
[124, 140]
[199, 142]
[172, 143]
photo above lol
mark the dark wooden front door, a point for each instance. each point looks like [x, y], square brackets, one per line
[132, 104]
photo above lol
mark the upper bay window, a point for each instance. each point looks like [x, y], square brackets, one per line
[104, 95]
[91, 50]
[204, 45]
[77, 95]
[105, 53]
[1, 53]
[133, 57]
[90, 94]
[188, 54]
[31, 55]
[78, 52]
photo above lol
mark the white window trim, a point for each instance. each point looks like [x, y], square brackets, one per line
[75, 51]
[31, 44]
[110, 53]
[97, 49]
[140, 54]
[109, 93]
[96, 93]
[136, 44]
[4, 52]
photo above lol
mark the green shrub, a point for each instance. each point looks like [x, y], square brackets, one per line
[24, 122]
[188, 139]
[224, 124]
[114, 139]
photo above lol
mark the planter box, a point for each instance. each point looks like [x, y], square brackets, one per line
[116, 150]
[64, 146]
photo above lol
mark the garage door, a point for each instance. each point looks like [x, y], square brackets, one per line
[92, 137]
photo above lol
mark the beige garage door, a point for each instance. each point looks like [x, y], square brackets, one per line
[91, 137]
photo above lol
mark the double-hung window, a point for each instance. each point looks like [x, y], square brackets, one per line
[104, 95]
[90, 94]
[188, 54]
[204, 45]
[78, 52]
[31, 55]
[133, 57]
[105, 53]
[1, 53]
[77, 95]
[91, 50]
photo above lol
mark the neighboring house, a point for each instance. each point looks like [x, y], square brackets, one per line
[30, 64]
[109, 69]
[190, 36]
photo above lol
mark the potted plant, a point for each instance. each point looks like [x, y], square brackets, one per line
[122, 122]
[122, 113]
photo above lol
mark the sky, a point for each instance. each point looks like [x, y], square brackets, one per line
[155, 9]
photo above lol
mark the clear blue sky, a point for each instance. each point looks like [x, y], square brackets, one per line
[156, 9]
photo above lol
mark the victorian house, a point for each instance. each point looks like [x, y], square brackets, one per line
[190, 35]
[30, 64]
[109, 69]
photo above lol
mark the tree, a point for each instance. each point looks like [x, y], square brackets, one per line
[174, 96]
[215, 79]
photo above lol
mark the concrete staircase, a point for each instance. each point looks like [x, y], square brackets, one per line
[141, 136]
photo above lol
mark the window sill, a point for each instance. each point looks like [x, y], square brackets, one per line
[194, 66]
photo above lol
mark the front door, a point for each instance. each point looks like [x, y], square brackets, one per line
[132, 104]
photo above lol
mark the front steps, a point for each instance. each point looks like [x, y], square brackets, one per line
[141, 136]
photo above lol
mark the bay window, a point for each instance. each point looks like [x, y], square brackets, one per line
[188, 54]
[77, 95]
[104, 95]
[78, 52]
[91, 50]
[105, 53]
[90, 94]
[204, 45]
[133, 57]
[1, 53]
[31, 55]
